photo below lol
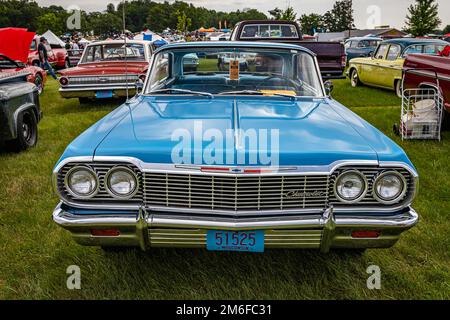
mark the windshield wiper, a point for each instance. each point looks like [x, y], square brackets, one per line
[200, 93]
[249, 92]
[259, 93]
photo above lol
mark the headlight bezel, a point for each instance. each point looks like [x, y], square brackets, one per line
[112, 192]
[362, 194]
[398, 197]
[74, 193]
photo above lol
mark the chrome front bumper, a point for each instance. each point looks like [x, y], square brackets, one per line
[148, 229]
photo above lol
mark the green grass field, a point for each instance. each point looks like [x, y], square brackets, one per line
[34, 252]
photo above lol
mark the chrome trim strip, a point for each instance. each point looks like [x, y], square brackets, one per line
[86, 88]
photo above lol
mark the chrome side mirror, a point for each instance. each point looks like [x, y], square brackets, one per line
[329, 86]
[139, 86]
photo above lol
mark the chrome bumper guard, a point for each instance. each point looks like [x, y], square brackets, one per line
[148, 229]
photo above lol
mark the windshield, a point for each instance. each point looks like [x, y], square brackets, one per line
[235, 71]
[114, 51]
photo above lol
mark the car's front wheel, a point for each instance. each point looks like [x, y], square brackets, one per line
[27, 132]
[354, 78]
[398, 88]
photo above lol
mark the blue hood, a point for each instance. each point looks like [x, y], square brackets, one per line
[311, 131]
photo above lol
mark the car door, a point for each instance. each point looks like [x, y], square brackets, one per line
[372, 69]
[391, 67]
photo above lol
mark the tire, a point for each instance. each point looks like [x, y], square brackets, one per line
[446, 121]
[398, 88]
[39, 82]
[84, 100]
[354, 78]
[27, 132]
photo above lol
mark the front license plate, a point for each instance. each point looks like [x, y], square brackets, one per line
[104, 94]
[247, 241]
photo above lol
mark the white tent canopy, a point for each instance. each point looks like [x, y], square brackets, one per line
[53, 39]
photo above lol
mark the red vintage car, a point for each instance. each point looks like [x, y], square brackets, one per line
[14, 44]
[107, 70]
[420, 72]
[57, 57]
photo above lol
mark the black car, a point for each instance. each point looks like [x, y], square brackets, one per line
[19, 111]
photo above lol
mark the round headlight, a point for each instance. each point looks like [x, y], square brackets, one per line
[81, 182]
[121, 182]
[389, 187]
[350, 186]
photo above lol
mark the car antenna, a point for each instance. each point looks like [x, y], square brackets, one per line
[125, 51]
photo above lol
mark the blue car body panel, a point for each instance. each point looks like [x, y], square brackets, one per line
[311, 131]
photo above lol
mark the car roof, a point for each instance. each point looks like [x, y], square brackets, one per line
[363, 38]
[234, 44]
[118, 41]
[404, 42]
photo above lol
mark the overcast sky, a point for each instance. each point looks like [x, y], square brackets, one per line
[367, 12]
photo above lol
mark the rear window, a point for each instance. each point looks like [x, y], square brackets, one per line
[269, 31]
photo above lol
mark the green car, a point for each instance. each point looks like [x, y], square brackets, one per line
[384, 68]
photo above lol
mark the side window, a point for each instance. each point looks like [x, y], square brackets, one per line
[381, 52]
[363, 44]
[413, 50]
[161, 70]
[249, 31]
[393, 53]
[89, 54]
[348, 44]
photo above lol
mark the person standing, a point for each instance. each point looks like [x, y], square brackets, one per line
[43, 58]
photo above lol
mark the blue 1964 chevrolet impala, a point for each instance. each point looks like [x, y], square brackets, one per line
[238, 159]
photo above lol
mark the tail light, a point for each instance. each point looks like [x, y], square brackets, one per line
[344, 61]
[63, 81]
[365, 234]
[105, 232]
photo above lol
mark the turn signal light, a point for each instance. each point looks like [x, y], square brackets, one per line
[63, 81]
[365, 234]
[105, 232]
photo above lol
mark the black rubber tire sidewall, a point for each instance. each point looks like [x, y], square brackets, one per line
[21, 143]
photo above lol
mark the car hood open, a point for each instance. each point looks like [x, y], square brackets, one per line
[310, 131]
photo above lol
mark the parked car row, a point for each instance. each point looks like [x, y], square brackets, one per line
[384, 68]
[331, 180]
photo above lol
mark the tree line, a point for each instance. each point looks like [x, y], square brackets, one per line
[422, 17]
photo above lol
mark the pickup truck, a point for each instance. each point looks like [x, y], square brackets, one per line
[420, 72]
[57, 56]
[19, 110]
[330, 55]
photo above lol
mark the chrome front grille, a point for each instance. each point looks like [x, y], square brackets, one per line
[102, 197]
[196, 238]
[103, 80]
[235, 193]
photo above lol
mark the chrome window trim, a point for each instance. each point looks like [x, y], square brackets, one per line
[396, 199]
[111, 192]
[74, 194]
[363, 193]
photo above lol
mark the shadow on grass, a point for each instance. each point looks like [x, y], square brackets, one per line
[197, 273]
[73, 106]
